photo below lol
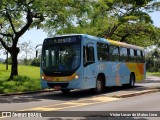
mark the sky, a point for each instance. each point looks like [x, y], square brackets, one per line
[36, 36]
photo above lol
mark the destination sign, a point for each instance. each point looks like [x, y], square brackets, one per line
[61, 40]
[64, 40]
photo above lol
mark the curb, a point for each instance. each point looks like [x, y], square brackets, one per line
[137, 93]
[31, 92]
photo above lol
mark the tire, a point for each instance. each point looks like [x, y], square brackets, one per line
[65, 91]
[132, 81]
[99, 85]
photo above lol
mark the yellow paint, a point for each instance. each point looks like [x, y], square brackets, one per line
[43, 109]
[73, 104]
[59, 79]
[105, 99]
[136, 68]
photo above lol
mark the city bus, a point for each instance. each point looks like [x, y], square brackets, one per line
[81, 61]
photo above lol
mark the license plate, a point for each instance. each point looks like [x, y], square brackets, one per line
[57, 87]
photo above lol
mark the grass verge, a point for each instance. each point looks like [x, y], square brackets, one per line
[154, 73]
[27, 80]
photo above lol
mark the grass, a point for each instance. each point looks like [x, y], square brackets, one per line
[154, 73]
[27, 80]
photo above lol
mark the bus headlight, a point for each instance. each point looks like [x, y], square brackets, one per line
[76, 77]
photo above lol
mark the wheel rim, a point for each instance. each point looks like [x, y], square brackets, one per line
[99, 85]
[132, 81]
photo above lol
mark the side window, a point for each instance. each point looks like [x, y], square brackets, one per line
[102, 52]
[123, 54]
[143, 56]
[139, 57]
[132, 57]
[46, 59]
[114, 53]
[88, 55]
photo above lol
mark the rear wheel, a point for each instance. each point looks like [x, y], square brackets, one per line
[99, 85]
[132, 80]
[65, 91]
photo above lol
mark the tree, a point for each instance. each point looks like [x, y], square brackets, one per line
[36, 62]
[27, 48]
[78, 12]
[122, 20]
[153, 60]
[142, 34]
[18, 16]
[13, 26]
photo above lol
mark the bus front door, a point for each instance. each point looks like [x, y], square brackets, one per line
[89, 66]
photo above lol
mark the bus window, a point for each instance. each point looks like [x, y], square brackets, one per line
[45, 62]
[123, 54]
[114, 53]
[88, 54]
[139, 57]
[132, 57]
[102, 52]
[143, 56]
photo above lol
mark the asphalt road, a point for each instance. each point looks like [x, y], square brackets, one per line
[86, 101]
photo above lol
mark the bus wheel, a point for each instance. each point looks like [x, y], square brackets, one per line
[99, 85]
[132, 80]
[65, 91]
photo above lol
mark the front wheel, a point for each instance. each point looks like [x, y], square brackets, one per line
[65, 91]
[99, 85]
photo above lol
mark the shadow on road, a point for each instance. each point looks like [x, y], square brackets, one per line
[56, 95]
[18, 99]
[152, 79]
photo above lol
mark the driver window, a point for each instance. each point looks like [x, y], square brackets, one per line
[88, 55]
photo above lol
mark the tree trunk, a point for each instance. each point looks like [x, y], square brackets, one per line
[14, 67]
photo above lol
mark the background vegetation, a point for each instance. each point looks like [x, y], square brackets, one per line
[28, 79]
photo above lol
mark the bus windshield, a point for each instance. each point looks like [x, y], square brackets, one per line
[60, 58]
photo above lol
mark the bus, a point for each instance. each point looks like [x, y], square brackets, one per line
[81, 61]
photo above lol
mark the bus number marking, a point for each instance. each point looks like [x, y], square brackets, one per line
[100, 67]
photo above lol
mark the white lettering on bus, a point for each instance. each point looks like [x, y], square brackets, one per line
[100, 67]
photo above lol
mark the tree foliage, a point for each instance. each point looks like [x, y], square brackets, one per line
[35, 62]
[122, 20]
[18, 16]
[153, 60]
[27, 48]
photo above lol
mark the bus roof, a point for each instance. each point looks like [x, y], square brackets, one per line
[125, 45]
[113, 42]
